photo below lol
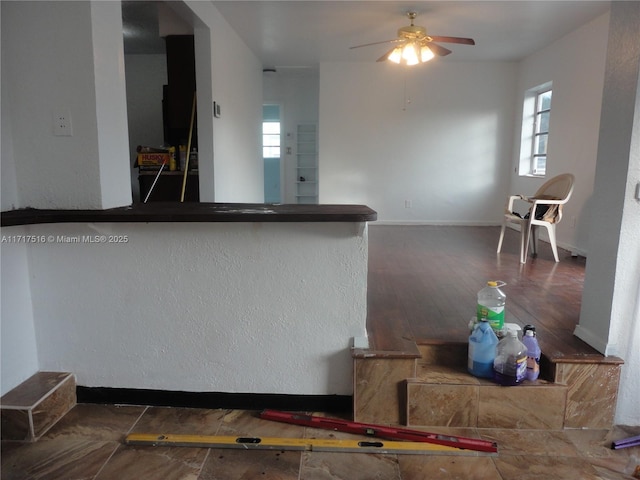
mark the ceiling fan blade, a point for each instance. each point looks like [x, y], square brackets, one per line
[438, 49]
[395, 40]
[463, 41]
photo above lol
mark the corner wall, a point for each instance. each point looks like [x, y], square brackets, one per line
[610, 311]
[19, 353]
[575, 65]
[17, 329]
[236, 85]
[63, 57]
[51, 52]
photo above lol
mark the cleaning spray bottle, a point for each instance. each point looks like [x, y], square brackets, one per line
[533, 352]
[482, 350]
[510, 365]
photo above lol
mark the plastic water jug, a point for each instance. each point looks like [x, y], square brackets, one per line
[482, 350]
[491, 305]
[510, 365]
[530, 341]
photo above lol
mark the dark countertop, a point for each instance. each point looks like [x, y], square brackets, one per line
[195, 212]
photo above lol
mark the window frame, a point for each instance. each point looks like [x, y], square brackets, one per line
[538, 132]
[273, 145]
[531, 132]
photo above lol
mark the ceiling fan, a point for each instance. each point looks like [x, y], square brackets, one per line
[414, 46]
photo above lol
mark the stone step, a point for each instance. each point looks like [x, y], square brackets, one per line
[34, 406]
[449, 396]
[572, 392]
[430, 386]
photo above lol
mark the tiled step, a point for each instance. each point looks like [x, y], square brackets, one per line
[571, 392]
[592, 393]
[451, 397]
[431, 387]
[34, 406]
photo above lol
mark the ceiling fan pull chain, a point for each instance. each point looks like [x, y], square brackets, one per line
[406, 101]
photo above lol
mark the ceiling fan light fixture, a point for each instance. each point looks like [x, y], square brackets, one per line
[396, 55]
[426, 54]
[410, 54]
[414, 46]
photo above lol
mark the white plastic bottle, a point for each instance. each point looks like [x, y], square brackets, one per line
[491, 305]
[510, 365]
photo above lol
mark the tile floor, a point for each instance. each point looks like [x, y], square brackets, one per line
[87, 444]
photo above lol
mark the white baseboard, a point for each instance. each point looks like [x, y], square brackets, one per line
[575, 251]
[436, 223]
[587, 336]
[360, 342]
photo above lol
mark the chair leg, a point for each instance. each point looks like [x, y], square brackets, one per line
[525, 234]
[535, 233]
[551, 228]
[504, 224]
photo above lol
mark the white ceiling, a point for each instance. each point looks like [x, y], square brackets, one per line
[303, 33]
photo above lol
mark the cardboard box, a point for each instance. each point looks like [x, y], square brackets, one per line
[153, 159]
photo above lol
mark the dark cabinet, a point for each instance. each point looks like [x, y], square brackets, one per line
[177, 106]
[180, 91]
[169, 186]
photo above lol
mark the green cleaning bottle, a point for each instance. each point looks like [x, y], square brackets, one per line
[491, 305]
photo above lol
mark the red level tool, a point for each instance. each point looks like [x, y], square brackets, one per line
[391, 433]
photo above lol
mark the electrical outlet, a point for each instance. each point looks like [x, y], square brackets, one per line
[62, 123]
[407, 204]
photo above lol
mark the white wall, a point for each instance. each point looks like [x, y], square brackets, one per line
[438, 136]
[44, 76]
[19, 355]
[146, 74]
[69, 55]
[47, 76]
[297, 93]
[459, 122]
[236, 76]
[17, 329]
[610, 310]
[9, 189]
[217, 307]
[575, 65]
[111, 103]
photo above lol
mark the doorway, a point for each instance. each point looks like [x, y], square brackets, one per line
[160, 49]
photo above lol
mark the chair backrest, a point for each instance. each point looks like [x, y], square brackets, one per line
[560, 187]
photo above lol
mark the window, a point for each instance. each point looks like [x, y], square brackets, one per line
[541, 133]
[535, 130]
[271, 131]
[271, 153]
[271, 140]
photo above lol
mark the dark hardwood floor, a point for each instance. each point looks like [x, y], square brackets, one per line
[423, 282]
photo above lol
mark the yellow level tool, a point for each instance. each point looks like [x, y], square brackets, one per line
[305, 444]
